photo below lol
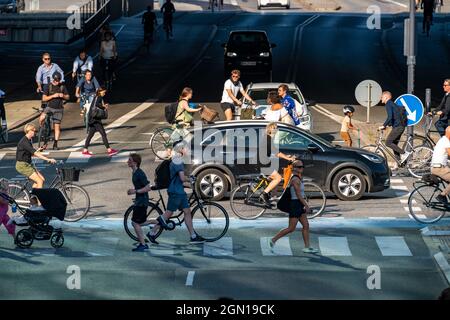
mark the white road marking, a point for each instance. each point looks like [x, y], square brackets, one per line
[282, 247]
[414, 209]
[234, 3]
[405, 201]
[121, 156]
[420, 216]
[396, 180]
[102, 247]
[397, 3]
[443, 264]
[394, 246]
[2, 155]
[402, 194]
[383, 218]
[221, 247]
[77, 157]
[334, 246]
[427, 232]
[405, 188]
[165, 248]
[190, 278]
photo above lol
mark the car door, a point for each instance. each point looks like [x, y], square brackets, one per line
[292, 142]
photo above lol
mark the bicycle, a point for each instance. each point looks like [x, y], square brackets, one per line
[213, 222]
[78, 200]
[246, 202]
[417, 161]
[426, 140]
[422, 203]
[45, 131]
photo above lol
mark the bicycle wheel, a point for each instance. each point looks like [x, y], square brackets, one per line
[210, 220]
[159, 141]
[153, 212]
[419, 161]
[375, 149]
[423, 206]
[20, 194]
[3, 135]
[78, 202]
[243, 199]
[44, 134]
[316, 199]
[419, 141]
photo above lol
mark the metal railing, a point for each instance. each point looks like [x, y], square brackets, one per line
[93, 15]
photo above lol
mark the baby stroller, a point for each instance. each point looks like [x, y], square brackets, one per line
[53, 205]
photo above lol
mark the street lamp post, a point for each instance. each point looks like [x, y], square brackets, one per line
[411, 58]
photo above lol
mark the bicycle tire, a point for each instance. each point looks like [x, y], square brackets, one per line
[241, 208]
[316, 199]
[421, 141]
[76, 210]
[215, 224]
[375, 149]
[20, 194]
[160, 138]
[422, 205]
[419, 161]
[153, 208]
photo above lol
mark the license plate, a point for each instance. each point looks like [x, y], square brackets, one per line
[248, 63]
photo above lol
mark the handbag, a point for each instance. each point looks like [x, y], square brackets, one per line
[208, 114]
[284, 204]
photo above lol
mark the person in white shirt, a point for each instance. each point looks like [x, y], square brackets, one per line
[229, 96]
[81, 64]
[439, 163]
[275, 112]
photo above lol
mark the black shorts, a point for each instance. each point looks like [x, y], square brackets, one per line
[227, 105]
[297, 209]
[57, 114]
[139, 214]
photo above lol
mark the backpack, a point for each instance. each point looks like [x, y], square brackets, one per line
[162, 175]
[170, 112]
[401, 115]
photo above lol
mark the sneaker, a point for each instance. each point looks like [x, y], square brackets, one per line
[112, 152]
[152, 238]
[404, 156]
[140, 248]
[197, 239]
[442, 198]
[87, 153]
[162, 222]
[265, 200]
[310, 250]
[55, 145]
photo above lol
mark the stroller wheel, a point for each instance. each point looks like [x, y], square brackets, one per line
[57, 240]
[24, 238]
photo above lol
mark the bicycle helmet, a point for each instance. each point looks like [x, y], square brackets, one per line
[56, 76]
[347, 109]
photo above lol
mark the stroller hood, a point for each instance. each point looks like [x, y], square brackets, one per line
[53, 202]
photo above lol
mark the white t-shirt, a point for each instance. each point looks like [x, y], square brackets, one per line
[440, 155]
[235, 89]
[275, 115]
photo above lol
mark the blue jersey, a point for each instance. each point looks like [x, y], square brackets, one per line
[289, 104]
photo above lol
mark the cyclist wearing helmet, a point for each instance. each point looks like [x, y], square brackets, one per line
[347, 125]
[54, 95]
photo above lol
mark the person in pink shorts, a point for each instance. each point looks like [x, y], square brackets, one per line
[4, 217]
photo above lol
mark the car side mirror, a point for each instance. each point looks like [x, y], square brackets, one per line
[273, 45]
[313, 148]
[310, 103]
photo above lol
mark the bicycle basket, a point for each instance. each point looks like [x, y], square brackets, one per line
[70, 174]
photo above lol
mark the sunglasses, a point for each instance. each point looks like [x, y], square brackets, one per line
[46, 59]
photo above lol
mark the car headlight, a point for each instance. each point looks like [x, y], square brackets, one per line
[264, 54]
[373, 158]
[231, 54]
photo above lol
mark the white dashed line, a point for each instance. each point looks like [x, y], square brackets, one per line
[396, 180]
[404, 188]
[420, 216]
[334, 246]
[397, 3]
[282, 247]
[393, 246]
[190, 278]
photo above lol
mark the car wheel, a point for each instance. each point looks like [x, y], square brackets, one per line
[211, 184]
[349, 185]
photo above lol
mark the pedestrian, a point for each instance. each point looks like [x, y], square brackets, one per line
[232, 87]
[443, 111]
[97, 112]
[397, 118]
[141, 188]
[86, 89]
[149, 21]
[288, 103]
[4, 206]
[439, 163]
[178, 199]
[45, 72]
[185, 113]
[298, 209]
[275, 112]
[108, 53]
[428, 7]
[347, 125]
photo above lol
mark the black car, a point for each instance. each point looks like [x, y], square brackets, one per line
[11, 6]
[224, 152]
[248, 50]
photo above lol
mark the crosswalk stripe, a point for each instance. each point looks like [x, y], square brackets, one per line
[282, 247]
[102, 247]
[404, 188]
[2, 155]
[415, 209]
[405, 201]
[234, 3]
[77, 157]
[221, 247]
[121, 156]
[165, 248]
[396, 180]
[420, 216]
[334, 246]
[393, 246]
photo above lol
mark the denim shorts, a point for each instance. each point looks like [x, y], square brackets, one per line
[177, 201]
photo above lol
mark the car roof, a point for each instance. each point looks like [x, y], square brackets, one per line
[246, 123]
[271, 85]
[247, 31]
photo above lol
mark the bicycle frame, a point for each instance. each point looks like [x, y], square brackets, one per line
[380, 144]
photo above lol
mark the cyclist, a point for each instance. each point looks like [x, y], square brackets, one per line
[149, 21]
[81, 64]
[54, 95]
[347, 125]
[443, 111]
[275, 176]
[2, 110]
[168, 9]
[439, 163]
[177, 196]
[231, 89]
[428, 9]
[25, 152]
[108, 52]
[86, 89]
[45, 71]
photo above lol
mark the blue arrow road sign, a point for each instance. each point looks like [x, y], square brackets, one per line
[413, 106]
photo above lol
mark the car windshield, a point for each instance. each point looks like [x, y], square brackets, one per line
[246, 39]
[260, 95]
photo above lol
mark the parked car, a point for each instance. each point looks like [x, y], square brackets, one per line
[229, 151]
[249, 51]
[259, 91]
[274, 3]
[9, 6]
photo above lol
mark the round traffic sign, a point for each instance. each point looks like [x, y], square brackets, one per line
[368, 93]
[414, 107]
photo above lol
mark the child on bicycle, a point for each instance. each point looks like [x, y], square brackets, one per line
[347, 125]
[4, 205]
[298, 209]
[178, 199]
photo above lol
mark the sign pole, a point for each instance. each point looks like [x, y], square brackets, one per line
[428, 99]
[369, 101]
[411, 59]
